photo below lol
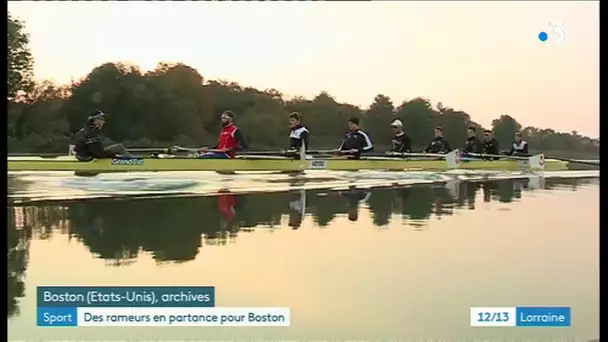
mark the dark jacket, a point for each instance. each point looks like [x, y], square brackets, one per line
[438, 145]
[491, 146]
[88, 144]
[473, 145]
[401, 143]
[357, 140]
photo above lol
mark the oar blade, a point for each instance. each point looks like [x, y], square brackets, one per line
[453, 159]
[537, 162]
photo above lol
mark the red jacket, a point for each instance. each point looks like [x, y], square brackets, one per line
[231, 139]
[226, 205]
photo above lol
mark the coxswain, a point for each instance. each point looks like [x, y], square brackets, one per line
[88, 145]
[401, 143]
[520, 146]
[355, 142]
[490, 144]
[438, 144]
[230, 141]
[298, 134]
[472, 144]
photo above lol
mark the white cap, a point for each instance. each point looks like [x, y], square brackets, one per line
[397, 123]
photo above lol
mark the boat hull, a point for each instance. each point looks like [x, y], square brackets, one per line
[190, 164]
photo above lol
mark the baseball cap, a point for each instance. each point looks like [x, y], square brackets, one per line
[397, 123]
[96, 114]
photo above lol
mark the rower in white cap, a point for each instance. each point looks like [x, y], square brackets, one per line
[401, 143]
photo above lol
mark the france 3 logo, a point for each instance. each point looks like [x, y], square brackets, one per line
[553, 33]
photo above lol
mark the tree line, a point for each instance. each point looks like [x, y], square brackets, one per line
[175, 105]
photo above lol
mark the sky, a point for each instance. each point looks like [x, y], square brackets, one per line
[481, 57]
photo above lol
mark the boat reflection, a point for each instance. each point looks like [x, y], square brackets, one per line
[174, 230]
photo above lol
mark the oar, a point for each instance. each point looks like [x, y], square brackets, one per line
[41, 155]
[286, 152]
[415, 154]
[576, 161]
[258, 153]
[570, 160]
[149, 149]
[527, 157]
[53, 155]
[499, 156]
[176, 149]
[452, 158]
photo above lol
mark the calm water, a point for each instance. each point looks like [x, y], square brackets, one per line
[396, 263]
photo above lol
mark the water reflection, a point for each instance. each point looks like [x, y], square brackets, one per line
[18, 237]
[175, 229]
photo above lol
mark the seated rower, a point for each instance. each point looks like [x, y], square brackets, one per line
[355, 142]
[298, 134]
[88, 145]
[230, 141]
[472, 144]
[490, 144]
[401, 143]
[438, 144]
[519, 147]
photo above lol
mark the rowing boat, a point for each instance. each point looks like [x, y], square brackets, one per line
[266, 163]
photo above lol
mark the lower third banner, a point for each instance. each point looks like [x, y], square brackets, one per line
[155, 316]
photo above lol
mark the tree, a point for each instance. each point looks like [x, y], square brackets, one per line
[454, 124]
[115, 88]
[175, 104]
[417, 118]
[379, 115]
[504, 129]
[19, 60]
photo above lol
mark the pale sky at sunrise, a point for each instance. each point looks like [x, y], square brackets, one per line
[481, 57]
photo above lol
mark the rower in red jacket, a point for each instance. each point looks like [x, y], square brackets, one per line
[230, 141]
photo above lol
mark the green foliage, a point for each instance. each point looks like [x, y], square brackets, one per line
[20, 62]
[174, 104]
[504, 129]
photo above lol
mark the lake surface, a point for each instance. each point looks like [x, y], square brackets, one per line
[360, 263]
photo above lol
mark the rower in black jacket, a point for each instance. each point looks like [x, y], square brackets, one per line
[401, 142]
[355, 142]
[298, 134]
[438, 144]
[88, 145]
[519, 146]
[472, 144]
[490, 144]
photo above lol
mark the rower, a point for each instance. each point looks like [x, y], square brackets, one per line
[88, 145]
[438, 144]
[230, 141]
[472, 144]
[520, 146]
[298, 134]
[490, 144]
[355, 141]
[401, 143]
